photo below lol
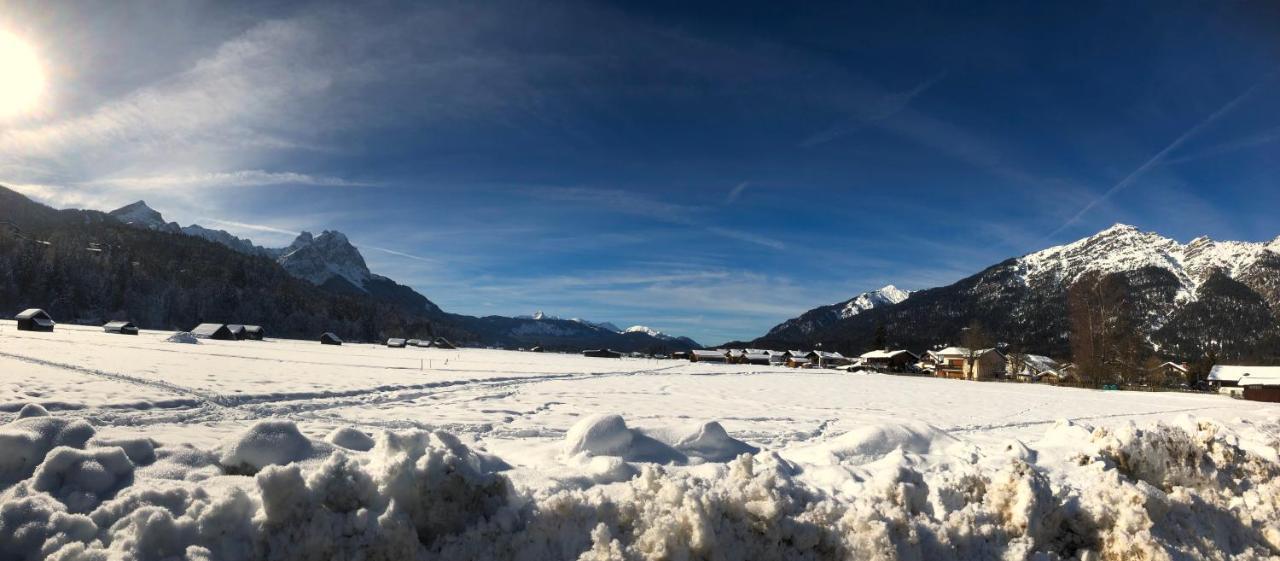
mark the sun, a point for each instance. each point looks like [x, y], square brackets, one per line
[21, 78]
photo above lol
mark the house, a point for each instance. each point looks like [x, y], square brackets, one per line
[1231, 379]
[34, 319]
[328, 338]
[601, 353]
[442, 343]
[1261, 383]
[121, 328]
[826, 359]
[797, 360]
[737, 356]
[254, 332]
[1172, 373]
[890, 361]
[962, 364]
[397, 343]
[928, 361]
[758, 358]
[213, 331]
[1225, 376]
[1031, 367]
[708, 355]
[237, 331]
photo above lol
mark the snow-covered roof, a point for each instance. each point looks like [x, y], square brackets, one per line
[1173, 365]
[886, 354]
[1231, 373]
[701, 352]
[962, 352]
[828, 354]
[31, 313]
[1261, 376]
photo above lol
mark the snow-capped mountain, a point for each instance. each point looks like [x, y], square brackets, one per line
[138, 214]
[326, 258]
[821, 317]
[1185, 299]
[332, 262]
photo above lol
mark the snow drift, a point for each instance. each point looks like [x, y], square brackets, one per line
[1188, 490]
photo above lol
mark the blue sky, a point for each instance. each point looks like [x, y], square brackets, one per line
[708, 171]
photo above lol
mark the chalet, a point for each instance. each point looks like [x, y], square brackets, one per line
[328, 338]
[1261, 383]
[121, 328]
[213, 331]
[708, 355]
[1170, 372]
[237, 330]
[798, 360]
[34, 319]
[962, 364]
[758, 358]
[826, 359]
[1225, 376]
[397, 343]
[254, 332]
[442, 343]
[601, 353]
[890, 361]
[1031, 367]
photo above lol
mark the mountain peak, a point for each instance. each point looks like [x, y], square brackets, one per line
[140, 215]
[319, 259]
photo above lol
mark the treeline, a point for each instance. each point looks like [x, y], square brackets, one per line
[83, 267]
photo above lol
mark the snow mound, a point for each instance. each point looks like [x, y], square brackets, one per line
[599, 435]
[81, 479]
[266, 443]
[183, 337]
[872, 442]
[351, 439]
[709, 441]
[32, 410]
[141, 451]
[25, 442]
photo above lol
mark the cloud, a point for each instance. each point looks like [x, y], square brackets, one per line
[253, 227]
[1260, 139]
[1155, 160]
[736, 192]
[243, 178]
[626, 202]
[882, 107]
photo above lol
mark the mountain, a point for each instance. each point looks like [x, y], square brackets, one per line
[821, 317]
[1186, 300]
[332, 263]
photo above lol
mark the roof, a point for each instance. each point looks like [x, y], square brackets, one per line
[119, 324]
[799, 359]
[32, 313]
[207, 329]
[1230, 373]
[700, 352]
[1173, 365]
[253, 328]
[798, 353]
[827, 354]
[1261, 376]
[885, 354]
[963, 352]
[758, 356]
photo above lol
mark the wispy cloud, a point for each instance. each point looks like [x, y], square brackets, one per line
[247, 226]
[883, 107]
[1155, 160]
[1252, 141]
[626, 202]
[736, 192]
[242, 178]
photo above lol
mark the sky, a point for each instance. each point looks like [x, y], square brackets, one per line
[707, 170]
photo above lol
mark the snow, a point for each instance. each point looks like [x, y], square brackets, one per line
[295, 450]
[884, 296]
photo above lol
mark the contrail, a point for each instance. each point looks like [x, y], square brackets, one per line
[1142, 169]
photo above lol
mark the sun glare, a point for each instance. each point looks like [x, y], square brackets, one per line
[21, 78]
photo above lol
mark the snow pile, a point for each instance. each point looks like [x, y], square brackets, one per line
[25, 442]
[266, 443]
[609, 436]
[32, 410]
[1185, 491]
[184, 337]
[350, 438]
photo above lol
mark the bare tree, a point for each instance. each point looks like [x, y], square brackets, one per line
[1105, 343]
[974, 339]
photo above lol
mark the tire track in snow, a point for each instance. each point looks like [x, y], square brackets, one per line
[117, 377]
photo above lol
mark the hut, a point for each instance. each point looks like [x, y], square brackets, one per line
[34, 319]
[442, 343]
[1261, 383]
[328, 338]
[758, 358]
[121, 328]
[396, 343]
[536, 349]
[601, 353]
[708, 355]
[680, 355]
[255, 332]
[213, 331]
[416, 343]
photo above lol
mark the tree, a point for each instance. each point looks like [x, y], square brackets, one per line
[974, 339]
[1105, 343]
[882, 338]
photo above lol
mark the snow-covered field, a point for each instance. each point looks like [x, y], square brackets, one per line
[146, 449]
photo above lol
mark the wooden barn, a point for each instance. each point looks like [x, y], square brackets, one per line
[328, 338]
[254, 332]
[1260, 383]
[442, 343]
[708, 355]
[396, 343]
[213, 331]
[237, 330]
[34, 319]
[121, 328]
[601, 353]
